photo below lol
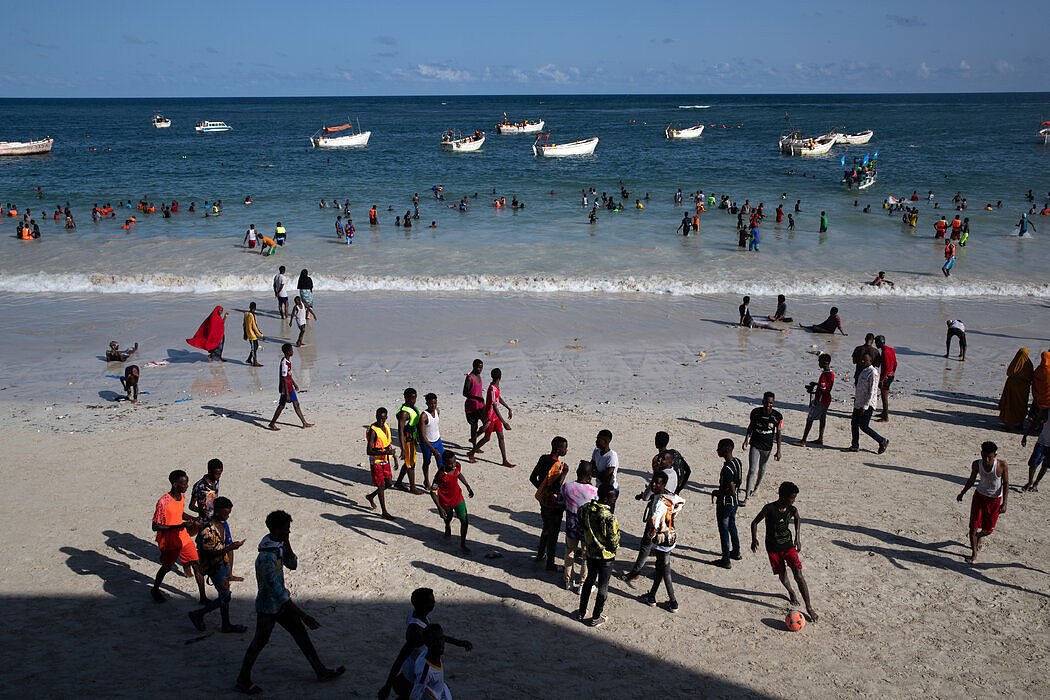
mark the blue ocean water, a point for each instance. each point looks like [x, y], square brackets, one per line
[983, 146]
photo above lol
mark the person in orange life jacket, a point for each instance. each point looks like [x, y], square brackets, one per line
[547, 477]
[941, 227]
[949, 258]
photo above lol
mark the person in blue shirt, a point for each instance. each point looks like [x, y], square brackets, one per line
[274, 606]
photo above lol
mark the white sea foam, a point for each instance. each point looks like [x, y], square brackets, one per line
[694, 106]
[643, 285]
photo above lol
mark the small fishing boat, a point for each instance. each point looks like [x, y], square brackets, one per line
[794, 144]
[543, 147]
[209, 127]
[457, 143]
[26, 148]
[323, 139]
[690, 132]
[861, 175]
[1045, 132]
[160, 122]
[858, 139]
[526, 127]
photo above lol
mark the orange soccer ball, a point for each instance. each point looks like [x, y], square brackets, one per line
[795, 621]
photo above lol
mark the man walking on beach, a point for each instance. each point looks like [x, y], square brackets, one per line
[216, 547]
[601, 540]
[494, 420]
[727, 498]
[273, 604]
[474, 404]
[252, 335]
[762, 430]
[173, 527]
[887, 371]
[547, 477]
[380, 450]
[864, 400]
[287, 387]
[280, 290]
[868, 348]
[989, 500]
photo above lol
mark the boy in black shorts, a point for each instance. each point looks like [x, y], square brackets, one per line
[781, 548]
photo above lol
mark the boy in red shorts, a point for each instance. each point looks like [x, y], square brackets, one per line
[170, 522]
[449, 497]
[989, 500]
[781, 548]
[380, 452]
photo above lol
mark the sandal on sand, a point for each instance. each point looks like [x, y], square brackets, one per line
[250, 689]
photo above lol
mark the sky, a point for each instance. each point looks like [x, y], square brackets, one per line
[264, 48]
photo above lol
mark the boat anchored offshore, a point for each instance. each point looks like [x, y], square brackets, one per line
[26, 148]
[209, 127]
[794, 144]
[322, 137]
[858, 139]
[543, 147]
[160, 122]
[690, 132]
[526, 127]
[457, 143]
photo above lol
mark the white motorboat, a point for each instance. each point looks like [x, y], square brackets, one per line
[858, 139]
[209, 127]
[690, 132]
[543, 147]
[160, 122]
[526, 127]
[796, 145]
[464, 144]
[26, 148]
[1045, 132]
[322, 137]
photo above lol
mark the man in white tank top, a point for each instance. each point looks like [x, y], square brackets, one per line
[431, 434]
[989, 500]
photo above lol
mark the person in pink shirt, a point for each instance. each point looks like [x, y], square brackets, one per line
[887, 370]
[494, 421]
[474, 405]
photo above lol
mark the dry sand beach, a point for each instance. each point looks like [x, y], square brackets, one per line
[883, 536]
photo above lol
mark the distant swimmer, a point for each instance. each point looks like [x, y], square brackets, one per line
[373, 216]
[1023, 224]
[683, 227]
[247, 200]
[823, 222]
[829, 325]
[880, 279]
[433, 224]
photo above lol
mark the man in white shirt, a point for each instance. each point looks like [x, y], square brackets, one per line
[280, 290]
[864, 400]
[958, 330]
[605, 463]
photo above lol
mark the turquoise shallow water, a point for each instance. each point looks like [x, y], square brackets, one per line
[983, 146]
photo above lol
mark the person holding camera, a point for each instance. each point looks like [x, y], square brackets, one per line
[819, 400]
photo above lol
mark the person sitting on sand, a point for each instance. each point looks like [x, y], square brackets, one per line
[781, 313]
[115, 354]
[130, 382]
[828, 325]
[747, 321]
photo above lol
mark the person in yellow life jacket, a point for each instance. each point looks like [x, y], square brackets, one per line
[949, 258]
[373, 215]
[914, 219]
[941, 227]
[664, 506]
[380, 453]
[279, 234]
[638, 204]
[408, 437]
[547, 477]
[956, 227]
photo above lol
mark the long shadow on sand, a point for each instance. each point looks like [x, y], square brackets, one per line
[249, 418]
[982, 403]
[296, 489]
[131, 546]
[950, 478]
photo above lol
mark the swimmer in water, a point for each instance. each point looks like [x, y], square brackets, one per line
[880, 279]
[115, 354]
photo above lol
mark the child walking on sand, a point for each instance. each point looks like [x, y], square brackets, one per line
[494, 421]
[449, 497]
[781, 549]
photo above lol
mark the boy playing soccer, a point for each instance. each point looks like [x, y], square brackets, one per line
[782, 550]
[449, 497]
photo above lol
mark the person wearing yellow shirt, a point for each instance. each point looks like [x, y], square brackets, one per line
[252, 335]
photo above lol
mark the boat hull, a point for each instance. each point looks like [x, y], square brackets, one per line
[212, 127]
[690, 133]
[576, 148]
[162, 125]
[528, 128]
[466, 145]
[342, 141]
[806, 147]
[26, 148]
[858, 139]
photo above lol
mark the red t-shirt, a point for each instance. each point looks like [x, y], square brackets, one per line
[449, 493]
[889, 361]
[825, 383]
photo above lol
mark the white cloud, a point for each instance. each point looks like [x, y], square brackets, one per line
[519, 75]
[1002, 66]
[453, 75]
[963, 65]
[551, 73]
[924, 70]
